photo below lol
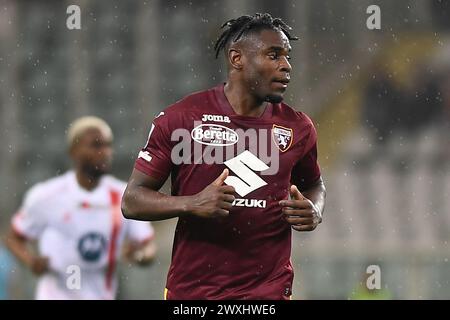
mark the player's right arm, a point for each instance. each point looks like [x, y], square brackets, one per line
[20, 248]
[143, 201]
[27, 226]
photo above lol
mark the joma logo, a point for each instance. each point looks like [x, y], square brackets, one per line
[216, 118]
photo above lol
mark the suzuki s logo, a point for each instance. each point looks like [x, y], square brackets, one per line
[246, 180]
[214, 135]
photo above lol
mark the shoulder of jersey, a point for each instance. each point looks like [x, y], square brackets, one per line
[44, 190]
[285, 112]
[192, 102]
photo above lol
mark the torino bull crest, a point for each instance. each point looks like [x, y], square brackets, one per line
[282, 137]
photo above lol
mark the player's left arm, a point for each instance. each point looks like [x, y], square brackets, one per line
[140, 247]
[142, 253]
[304, 210]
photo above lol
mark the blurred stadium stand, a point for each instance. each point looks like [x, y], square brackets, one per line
[386, 169]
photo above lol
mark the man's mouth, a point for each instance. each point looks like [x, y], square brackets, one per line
[283, 81]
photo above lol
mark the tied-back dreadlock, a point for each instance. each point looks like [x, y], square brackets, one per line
[238, 27]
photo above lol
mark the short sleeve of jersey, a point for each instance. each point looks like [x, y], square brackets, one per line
[139, 231]
[30, 220]
[307, 170]
[154, 159]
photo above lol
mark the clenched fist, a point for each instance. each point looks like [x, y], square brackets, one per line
[300, 212]
[215, 200]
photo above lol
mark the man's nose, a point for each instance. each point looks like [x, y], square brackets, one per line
[285, 65]
[105, 150]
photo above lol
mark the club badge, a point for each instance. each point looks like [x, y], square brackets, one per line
[282, 137]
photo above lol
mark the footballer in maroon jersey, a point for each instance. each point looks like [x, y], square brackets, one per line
[244, 173]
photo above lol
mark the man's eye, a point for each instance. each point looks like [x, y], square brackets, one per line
[273, 56]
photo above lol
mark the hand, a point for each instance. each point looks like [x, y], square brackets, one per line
[300, 212]
[39, 265]
[141, 254]
[215, 200]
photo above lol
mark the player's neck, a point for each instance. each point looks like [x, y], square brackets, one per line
[242, 102]
[86, 181]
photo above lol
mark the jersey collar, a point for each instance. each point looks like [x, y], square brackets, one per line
[225, 106]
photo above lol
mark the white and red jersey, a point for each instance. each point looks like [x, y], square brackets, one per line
[81, 230]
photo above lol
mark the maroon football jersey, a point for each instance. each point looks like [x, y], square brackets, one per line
[247, 254]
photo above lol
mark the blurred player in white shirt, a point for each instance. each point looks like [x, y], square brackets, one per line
[77, 223]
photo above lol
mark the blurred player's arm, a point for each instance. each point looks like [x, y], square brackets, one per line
[21, 249]
[141, 253]
[140, 246]
[143, 201]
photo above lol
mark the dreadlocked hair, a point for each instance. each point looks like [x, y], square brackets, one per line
[237, 27]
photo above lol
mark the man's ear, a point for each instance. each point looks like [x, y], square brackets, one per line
[72, 150]
[71, 153]
[235, 58]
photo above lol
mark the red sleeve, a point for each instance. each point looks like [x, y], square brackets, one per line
[154, 159]
[307, 171]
